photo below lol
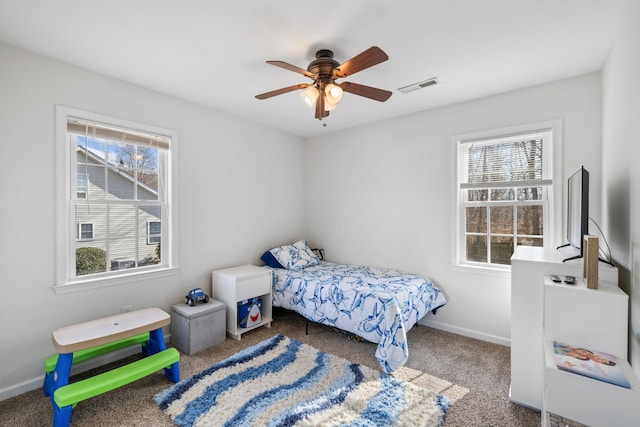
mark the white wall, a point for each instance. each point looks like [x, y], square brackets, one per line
[381, 194]
[227, 212]
[621, 165]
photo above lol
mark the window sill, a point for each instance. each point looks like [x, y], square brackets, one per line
[483, 270]
[86, 285]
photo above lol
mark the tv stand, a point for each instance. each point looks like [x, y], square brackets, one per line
[597, 320]
[529, 266]
[580, 256]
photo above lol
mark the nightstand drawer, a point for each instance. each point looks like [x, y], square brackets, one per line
[250, 287]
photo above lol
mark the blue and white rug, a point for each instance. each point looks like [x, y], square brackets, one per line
[283, 382]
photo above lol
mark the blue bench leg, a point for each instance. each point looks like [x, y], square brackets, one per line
[48, 384]
[53, 381]
[173, 372]
[59, 376]
[61, 416]
[155, 343]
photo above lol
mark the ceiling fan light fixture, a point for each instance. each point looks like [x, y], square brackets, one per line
[310, 95]
[333, 93]
[329, 106]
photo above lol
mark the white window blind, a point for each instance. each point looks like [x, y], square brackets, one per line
[108, 132]
[506, 162]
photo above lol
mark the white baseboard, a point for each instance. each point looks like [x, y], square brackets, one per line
[465, 332]
[35, 383]
[21, 387]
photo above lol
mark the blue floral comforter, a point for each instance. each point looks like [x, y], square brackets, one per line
[378, 304]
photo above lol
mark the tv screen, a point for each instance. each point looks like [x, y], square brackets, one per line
[578, 208]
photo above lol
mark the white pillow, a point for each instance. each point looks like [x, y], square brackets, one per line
[296, 256]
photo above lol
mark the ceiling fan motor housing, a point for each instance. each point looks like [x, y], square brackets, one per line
[323, 66]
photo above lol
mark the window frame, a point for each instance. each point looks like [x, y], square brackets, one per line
[79, 237]
[151, 235]
[66, 227]
[84, 189]
[552, 214]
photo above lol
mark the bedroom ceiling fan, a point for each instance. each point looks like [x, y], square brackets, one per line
[324, 91]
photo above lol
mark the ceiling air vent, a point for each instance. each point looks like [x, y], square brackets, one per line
[419, 85]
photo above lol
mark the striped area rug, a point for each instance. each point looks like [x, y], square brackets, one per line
[283, 382]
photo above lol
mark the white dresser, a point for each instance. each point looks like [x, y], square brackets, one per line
[595, 319]
[529, 266]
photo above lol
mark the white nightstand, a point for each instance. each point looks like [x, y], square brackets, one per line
[236, 284]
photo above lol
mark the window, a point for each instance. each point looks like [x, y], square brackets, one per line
[82, 185]
[115, 185]
[154, 232]
[84, 231]
[505, 195]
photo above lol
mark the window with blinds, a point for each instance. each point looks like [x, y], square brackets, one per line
[118, 177]
[503, 195]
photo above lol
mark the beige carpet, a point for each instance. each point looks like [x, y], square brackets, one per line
[474, 374]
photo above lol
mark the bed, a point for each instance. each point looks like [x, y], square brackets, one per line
[378, 304]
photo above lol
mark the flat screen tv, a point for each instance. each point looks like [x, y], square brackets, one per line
[578, 208]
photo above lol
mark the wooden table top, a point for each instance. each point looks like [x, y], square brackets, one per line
[108, 329]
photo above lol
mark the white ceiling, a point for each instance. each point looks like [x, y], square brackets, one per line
[213, 52]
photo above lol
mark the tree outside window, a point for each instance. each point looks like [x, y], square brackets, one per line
[503, 186]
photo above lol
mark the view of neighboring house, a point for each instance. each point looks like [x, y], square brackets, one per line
[128, 233]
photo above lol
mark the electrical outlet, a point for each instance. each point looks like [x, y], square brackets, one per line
[126, 308]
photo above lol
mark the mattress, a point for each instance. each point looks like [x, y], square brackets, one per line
[378, 304]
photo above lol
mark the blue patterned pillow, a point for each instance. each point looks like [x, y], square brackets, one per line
[296, 256]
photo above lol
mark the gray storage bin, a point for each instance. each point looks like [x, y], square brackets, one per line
[197, 328]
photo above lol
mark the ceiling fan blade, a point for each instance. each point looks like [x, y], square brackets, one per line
[293, 68]
[366, 91]
[370, 57]
[281, 91]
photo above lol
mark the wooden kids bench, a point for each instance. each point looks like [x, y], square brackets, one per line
[83, 341]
